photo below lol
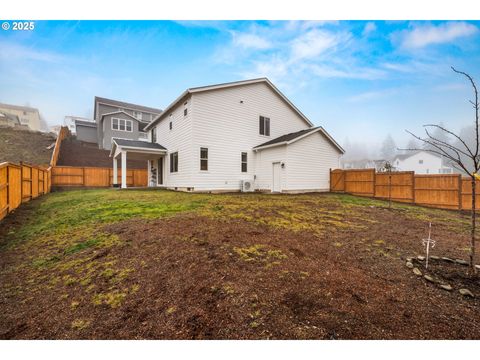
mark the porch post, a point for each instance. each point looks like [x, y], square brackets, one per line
[149, 175]
[124, 169]
[115, 171]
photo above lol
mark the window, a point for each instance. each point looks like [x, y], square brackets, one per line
[174, 162]
[420, 161]
[204, 159]
[244, 162]
[122, 125]
[264, 125]
[154, 135]
[142, 135]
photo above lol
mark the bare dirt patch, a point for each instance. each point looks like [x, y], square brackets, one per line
[220, 273]
[32, 147]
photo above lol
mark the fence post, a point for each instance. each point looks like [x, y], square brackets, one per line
[31, 183]
[460, 186]
[413, 187]
[8, 189]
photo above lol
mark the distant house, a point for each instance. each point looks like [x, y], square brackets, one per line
[9, 120]
[239, 136]
[69, 121]
[115, 119]
[422, 162]
[28, 116]
[378, 165]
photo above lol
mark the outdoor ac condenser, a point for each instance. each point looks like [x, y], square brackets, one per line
[247, 186]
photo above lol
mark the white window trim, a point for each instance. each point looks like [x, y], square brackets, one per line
[169, 162]
[200, 158]
[120, 119]
[269, 126]
[242, 162]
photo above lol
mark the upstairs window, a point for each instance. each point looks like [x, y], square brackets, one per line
[264, 124]
[154, 135]
[204, 159]
[174, 162]
[244, 162]
[122, 125]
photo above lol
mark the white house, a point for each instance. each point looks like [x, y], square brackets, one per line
[422, 162]
[216, 138]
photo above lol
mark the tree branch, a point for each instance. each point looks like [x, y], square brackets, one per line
[475, 105]
[451, 133]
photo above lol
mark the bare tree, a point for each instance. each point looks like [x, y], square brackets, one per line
[463, 157]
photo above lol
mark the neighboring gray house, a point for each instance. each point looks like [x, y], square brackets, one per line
[115, 119]
[86, 131]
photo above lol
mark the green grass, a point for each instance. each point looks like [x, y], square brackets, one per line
[61, 233]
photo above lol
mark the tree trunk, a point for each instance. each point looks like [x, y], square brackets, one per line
[472, 240]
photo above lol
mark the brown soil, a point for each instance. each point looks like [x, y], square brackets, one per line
[74, 152]
[25, 145]
[198, 277]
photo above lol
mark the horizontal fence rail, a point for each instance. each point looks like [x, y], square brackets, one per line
[95, 177]
[20, 183]
[445, 191]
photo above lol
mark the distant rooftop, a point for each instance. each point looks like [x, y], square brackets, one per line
[126, 105]
[18, 107]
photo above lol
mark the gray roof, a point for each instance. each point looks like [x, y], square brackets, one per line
[407, 155]
[138, 144]
[289, 138]
[123, 104]
[286, 137]
[85, 123]
[18, 107]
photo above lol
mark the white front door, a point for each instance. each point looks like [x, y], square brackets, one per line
[276, 181]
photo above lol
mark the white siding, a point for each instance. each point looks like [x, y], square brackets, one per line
[264, 167]
[431, 164]
[228, 127]
[178, 139]
[309, 161]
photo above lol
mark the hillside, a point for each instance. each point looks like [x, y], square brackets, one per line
[28, 146]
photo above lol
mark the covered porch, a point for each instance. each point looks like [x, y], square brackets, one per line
[152, 153]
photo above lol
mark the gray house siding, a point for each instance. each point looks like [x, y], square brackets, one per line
[105, 109]
[109, 133]
[87, 133]
[105, 132]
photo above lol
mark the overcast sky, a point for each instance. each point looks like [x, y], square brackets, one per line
[359, 80]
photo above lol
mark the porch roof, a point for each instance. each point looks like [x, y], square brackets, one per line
[136, 146]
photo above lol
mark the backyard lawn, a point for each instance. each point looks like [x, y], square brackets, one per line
[142, 264]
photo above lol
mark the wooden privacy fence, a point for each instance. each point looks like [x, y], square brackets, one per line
[62, 134]
[20, 183]
[95, 177]
[446, 191]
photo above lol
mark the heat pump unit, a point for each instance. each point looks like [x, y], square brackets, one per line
[247, 185]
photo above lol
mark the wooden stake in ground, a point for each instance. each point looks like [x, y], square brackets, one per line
[427, 243]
